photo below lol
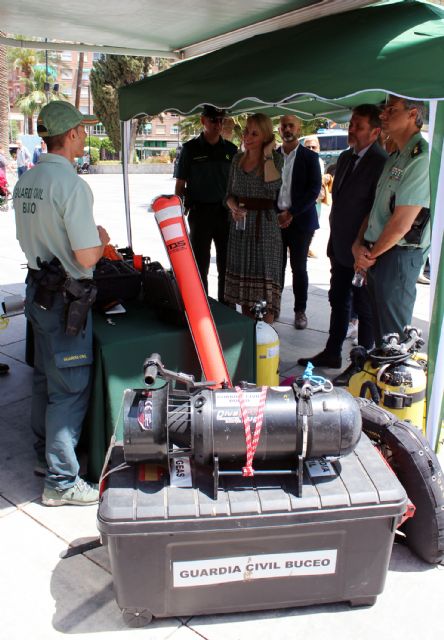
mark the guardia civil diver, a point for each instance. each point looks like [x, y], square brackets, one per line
[54, 218]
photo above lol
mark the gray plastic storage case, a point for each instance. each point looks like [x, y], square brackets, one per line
[175, 551]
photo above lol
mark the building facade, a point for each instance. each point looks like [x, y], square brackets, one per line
[155, 138]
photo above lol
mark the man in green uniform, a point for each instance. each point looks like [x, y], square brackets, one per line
[392, 239]
[201, 178]
[54, 218]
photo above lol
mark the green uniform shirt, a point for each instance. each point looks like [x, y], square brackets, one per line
[404, 181]
[54, 214]
[205, 168]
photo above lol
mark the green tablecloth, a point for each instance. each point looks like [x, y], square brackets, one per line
[121, 349]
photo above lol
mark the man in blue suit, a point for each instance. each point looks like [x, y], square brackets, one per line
[357, 174]
[301, 184]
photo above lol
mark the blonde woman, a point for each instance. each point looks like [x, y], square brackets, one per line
[254, 257]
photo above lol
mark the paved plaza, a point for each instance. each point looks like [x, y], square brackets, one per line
[44, 597]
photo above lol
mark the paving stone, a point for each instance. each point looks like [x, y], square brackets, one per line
[49, 598]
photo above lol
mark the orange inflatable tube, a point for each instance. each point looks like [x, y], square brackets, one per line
[171, 222]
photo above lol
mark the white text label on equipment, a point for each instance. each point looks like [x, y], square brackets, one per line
[319, 468]
[251, 399]
[180, 472]
[245, 568]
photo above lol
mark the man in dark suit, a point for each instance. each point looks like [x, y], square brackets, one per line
[357, 174]
[301, 184]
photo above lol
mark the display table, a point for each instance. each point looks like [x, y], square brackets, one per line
[121, 348]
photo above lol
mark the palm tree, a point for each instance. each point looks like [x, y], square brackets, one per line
[4, 99]
[191, 126]
[25, 61]
[35, 96]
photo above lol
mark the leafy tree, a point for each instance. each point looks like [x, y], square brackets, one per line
[106, 144]
[191, 126]
[107, 149]
[94, 155]
[35, 96]
[311, 126]
[23, 60]
[108, 74]
[14, 130]
[94, 141]
[30, 64]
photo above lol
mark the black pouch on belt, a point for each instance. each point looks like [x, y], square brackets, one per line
[80, 296]
[50, 278]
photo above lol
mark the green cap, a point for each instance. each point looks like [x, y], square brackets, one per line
[59, 116]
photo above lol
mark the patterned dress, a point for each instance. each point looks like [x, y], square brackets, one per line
[254, 256]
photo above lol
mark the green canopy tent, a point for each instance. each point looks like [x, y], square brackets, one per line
[395, 47]
[325, 67]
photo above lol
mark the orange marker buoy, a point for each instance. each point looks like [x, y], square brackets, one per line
[170, 219]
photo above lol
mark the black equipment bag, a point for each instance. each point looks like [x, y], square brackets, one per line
[116, 281]
[162, 293]
[418, 469]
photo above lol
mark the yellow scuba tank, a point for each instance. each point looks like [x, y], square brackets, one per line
[394, 377]
[267, 349]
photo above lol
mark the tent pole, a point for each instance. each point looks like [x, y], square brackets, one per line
[125, 130]
[435, 382]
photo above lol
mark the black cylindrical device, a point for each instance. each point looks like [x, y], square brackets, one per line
[209, 423]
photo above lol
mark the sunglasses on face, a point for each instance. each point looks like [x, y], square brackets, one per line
[216, 120]
[312, 148]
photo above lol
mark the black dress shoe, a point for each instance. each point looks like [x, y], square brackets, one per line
[323, 359]
[343, 378]
[300, 320]
[4, 368]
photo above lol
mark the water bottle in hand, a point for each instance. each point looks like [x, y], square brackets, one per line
[358, 278]
[240, 224]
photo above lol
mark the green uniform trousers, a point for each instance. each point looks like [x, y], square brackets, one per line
[392, 288]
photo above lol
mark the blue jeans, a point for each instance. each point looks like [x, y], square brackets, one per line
[61, 388]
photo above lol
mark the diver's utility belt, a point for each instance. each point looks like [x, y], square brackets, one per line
[79, 295]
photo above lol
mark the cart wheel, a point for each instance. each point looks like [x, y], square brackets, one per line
[137, 618]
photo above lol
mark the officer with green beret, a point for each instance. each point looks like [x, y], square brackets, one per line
[392, 239]
[57, 232]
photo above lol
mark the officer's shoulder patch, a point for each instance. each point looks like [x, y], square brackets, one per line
[417, 150]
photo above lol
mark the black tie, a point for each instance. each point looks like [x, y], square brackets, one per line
[349, 168]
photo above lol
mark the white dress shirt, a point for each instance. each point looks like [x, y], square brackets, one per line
[284, 199]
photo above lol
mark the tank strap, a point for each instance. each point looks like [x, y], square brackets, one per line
[394, 400]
